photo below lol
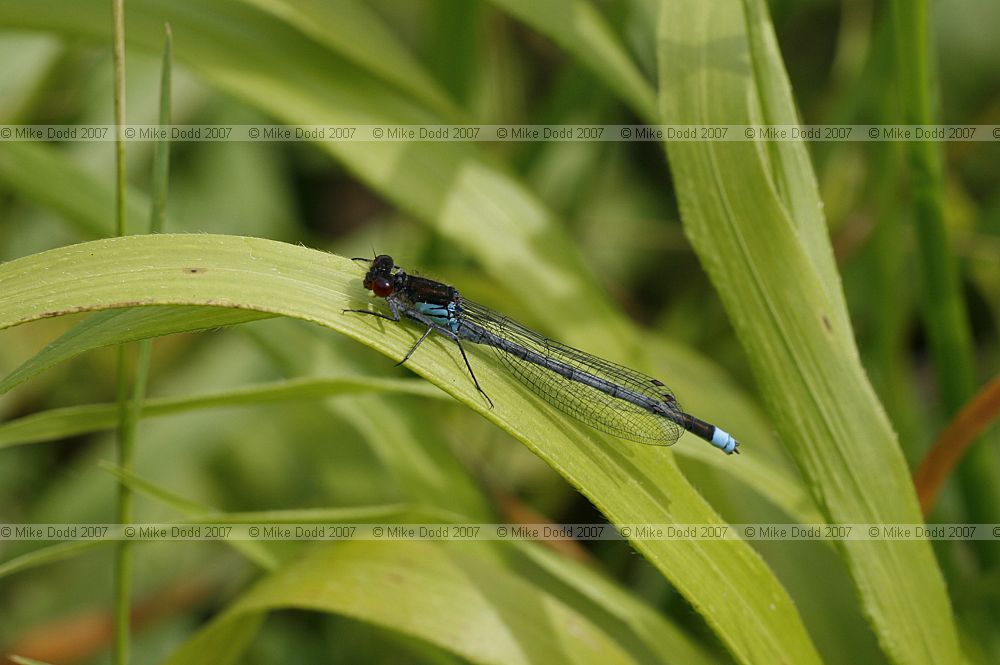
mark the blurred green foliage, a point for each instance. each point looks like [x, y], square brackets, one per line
[583, 241]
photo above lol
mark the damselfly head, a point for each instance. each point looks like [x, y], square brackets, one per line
[379, 278]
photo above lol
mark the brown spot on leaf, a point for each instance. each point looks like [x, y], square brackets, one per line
[193, 271]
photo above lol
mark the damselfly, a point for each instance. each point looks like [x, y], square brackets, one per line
[606, 396]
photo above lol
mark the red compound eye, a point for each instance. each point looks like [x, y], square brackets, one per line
[381, 287]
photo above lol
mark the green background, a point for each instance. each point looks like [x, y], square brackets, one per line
[832, 304]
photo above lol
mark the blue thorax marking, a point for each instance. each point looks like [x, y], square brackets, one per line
[443, 315]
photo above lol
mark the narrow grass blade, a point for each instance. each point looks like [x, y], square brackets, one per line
[126, 325]
[222, 645]
[788, 313]
[359, 34]
[628, 622]
[449, 596]
[126, 420]
[257, 552]
[949, 447]
[578, 27]
[161, 151]
[945, 314]
[47, 555]
[44, 175]
[651, 636]
[61, 423]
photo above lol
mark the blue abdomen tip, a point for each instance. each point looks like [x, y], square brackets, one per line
[722, 440]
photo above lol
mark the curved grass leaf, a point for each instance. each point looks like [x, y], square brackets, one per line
[950, 445]
[425, 471]
[760, 472]
[578, 27]
[61, 423]
[48, 554]
[261, 553]
[642, 631]
[789, 313]
[126, 325]
[651, 636]
[198, 513]
[787, 162]
[49, 177]
[356, 32]
[225, 643]
[463, 603]
[726, 581]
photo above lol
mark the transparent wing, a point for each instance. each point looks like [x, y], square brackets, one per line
[582, 401]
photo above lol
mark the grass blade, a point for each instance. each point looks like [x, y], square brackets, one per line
[126, 325]
[47, 555]
[44, 174]
[126, 421]
[449, 596]
[945, 315]
[61, 423]
[948, 449]
[788, 314]
[578, 27]
[356, 32]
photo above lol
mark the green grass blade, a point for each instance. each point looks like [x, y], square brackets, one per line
[421, 469]
[45, 175]
[761, 474]
[224, 643]
[199, 513]
[257, 552]
[400, 513]
[640, 630]
[945, 314]
[126, 415]
[449, 596]
[578, 27]
[56, 424]
[126, 325]
[725, 581]
[139, 484]
[780, 299]
[789, 165]
[643, 631]
[359, 34]
[161, 151]
[47, 555]
[653, 638]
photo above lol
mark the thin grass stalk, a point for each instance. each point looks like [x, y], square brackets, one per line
[944, 310]
[125, 440]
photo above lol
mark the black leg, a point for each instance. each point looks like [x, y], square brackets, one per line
[444, 331]
[473, 374]
[414, 347]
